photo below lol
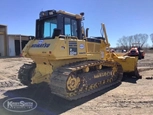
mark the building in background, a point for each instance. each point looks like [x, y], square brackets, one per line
[11, 44]
[16, 44]
[3, 40]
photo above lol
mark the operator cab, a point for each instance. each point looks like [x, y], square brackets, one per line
[53, 23]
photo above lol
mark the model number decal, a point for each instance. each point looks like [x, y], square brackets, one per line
[45, 45]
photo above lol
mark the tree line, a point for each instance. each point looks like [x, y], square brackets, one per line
[126, 42]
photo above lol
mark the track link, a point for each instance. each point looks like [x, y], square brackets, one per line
[88, 84]
[25, 73]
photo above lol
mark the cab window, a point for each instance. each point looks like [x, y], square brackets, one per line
[74, 28]
[49, 26]
[70, 27]
[67, 27]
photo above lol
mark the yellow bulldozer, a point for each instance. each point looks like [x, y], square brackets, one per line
[71, 63]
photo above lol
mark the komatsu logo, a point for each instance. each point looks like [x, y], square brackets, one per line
[45, 45]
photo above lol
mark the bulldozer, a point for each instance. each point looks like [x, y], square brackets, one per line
[71, 63]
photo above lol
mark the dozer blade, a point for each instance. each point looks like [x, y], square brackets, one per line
[71, 82]
[134, 74]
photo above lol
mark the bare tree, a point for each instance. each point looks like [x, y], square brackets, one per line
[126, 41]
[131, 40]
[146, 46]
[123, 42]
[136, 38]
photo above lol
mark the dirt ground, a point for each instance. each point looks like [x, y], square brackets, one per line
[132, 97]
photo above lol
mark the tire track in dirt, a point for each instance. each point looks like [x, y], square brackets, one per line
[119, 104]
[8, 72]
[6, 83]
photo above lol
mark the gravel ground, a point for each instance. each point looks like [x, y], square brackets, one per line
[132, 97]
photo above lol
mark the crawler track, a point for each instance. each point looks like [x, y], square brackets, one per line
[85, 83]
[25, 73]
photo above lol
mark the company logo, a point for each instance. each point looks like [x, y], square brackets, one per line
[20, 104]
[81, 46]
[45, 45]
[40, 41]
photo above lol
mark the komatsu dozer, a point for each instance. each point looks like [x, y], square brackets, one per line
[71, 63]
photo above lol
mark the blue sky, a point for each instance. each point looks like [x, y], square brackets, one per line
[121, 17]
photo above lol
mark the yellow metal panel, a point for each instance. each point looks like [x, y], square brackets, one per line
[53, 53]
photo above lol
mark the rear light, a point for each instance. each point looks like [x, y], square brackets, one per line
[50, 52]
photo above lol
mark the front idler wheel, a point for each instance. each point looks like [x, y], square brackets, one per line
[73, 83]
